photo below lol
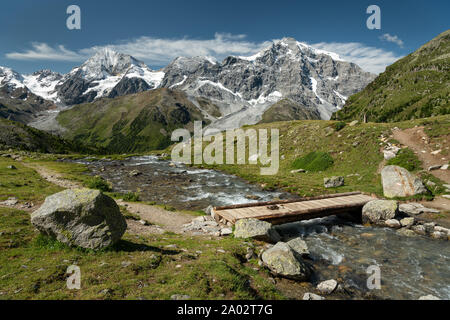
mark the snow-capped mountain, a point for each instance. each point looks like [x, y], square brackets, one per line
[106, 74]
[245, 87]
[43, 83]
[311, 82]
[10, 79]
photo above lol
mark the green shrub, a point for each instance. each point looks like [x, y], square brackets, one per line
[131, 197]
[338, 126]
[406, 159]
[314, 161]
[98, 183]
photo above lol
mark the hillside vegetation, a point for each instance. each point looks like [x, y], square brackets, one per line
[15, 135]
[132, 123]
[416, 86]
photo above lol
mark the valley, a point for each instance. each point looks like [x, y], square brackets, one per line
[97, 141]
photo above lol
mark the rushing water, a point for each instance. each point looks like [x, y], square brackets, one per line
[410, 266]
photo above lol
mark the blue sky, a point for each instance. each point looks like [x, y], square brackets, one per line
[34, 34]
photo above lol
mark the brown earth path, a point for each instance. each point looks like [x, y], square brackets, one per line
[161, 220]
[417, 140]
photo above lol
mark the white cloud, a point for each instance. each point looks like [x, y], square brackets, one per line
[42, 51]
[371, 59]
[161, 51]
[394, 39]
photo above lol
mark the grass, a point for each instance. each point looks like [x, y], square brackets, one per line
[138, 267]
[98, 183]
[314, 161]
[23, 183]
[406, 158]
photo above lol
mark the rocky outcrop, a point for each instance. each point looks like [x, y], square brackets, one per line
[81, 217]
[399, 182]
[256, 229]
[282, 261]
[378, 211]
[129, 86]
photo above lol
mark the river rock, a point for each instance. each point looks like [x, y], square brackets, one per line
[333, 182]
[419, 229]
[413, 209]
[406, 232]
[256, 229]
[327, 287]
[439, 235]
[377, 211]
[407, 222]
[134, 173]
[312, 296]
[282, 261]
[393, 223]
[81, 217]
[299, 246]
[399, 182]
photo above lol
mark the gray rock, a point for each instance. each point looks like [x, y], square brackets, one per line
[442, 229]
[256, 229]
[406, 232]
[407, 222]
[11, 167]
[429, 227]
[298, 171]
[378, 211]
[429, 297]
[399, 182]
[10, 202]
[439, 235]
[393, 223]
[353, 123]
[226, 231]
[312, 296]
[81, 217]
[432, 168]
[134, 173]
[180, 297]
[282, 261]
[327, 287]
[333, 182]
[299, 246]
[419, 229]
[413, 209]
[445, 167]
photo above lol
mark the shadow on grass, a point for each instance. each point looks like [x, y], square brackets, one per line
[128, 246]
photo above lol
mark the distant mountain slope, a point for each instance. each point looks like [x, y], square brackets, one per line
[286, 110]
[17, 102]
[416, 86]
[15, 135]
[137, 122]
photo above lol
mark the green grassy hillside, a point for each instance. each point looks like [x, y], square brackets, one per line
[416, 86]
[132, 123]
[287, 110]
[15, 135]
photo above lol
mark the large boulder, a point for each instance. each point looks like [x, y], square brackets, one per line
[81, 217]
[378, 211]
[399, 182]
[256, 229]
[284, 262]
[299, 246]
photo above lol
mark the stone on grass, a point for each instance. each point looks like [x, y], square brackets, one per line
[312, 296]
[256, 229]
[429, 297]
[327, 287]
[180, 297]
[378, 211]
[282, 261]
[413, 209]
[399, 182]
[81, 217]
[333, 182]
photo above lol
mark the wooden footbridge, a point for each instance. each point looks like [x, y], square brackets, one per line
[285, 211]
